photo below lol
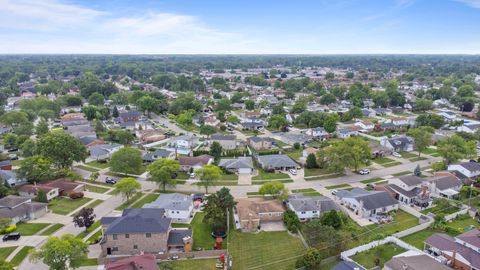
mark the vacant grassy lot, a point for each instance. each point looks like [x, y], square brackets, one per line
[263, 175]
[64, 206]
[383, 252]
[147, 199]
[52, 229]
[340, 186]
[21, 255]
[265, 250]
[202, 238]
[191, 264]
[100, 165]
[30, 228]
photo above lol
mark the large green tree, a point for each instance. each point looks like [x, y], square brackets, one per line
[455, 148]
[127, 160]
[422, 136]
[216, 151]
[275, 189]
[208, 175]
[62, 149]
[162, 171]
[61, 253]
[127, 187]
[35, 169]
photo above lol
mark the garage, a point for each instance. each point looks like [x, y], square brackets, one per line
[244, 170]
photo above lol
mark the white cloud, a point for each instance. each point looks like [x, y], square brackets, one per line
[471, 3]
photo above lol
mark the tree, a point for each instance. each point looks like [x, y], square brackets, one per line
[273, 188]
[42, 128]
[330, 124]
[208, 174]
[249, 104]
[96, 99]
[311, 161]
[233, 119]
[216, 151]
[277, 122]
[94, 176]
[41, 197]
[423, 105]
[439, 221]
[455, 148]
[13, 118]
[381, 99]
[162, 171]
[328, 99]
[127, 187]
[61, 253]
[147, 104]
[291, 220]
[332, 219]
[357, 151]
[84, 218]
[10, 140]
[62, 149]
[28, 148]
[422, 136]
[223, 105]
[433, 120]
[311, 259]
[35, 169]
[127, 160]
[115, 112]
[299, 106]
[207, 130]
[417, 171]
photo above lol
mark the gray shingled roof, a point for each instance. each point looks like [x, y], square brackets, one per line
[175, 237]
[371, 199]
[171, 201]
[471, 166]
[238, 163]
[312, 203]
[445, 182]
[411, 180]
[276, 161]
[140, 220]
[222, 137]
[418, 262]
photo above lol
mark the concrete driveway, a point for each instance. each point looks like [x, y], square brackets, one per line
[273, 226]
[244, 179]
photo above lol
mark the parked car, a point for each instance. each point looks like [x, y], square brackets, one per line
[293, 171]
[110, 180]
[395, 154]
[334, 192]
[11, 236]
[13, 157]
[364, 171]
[12, 150]
[192, 175]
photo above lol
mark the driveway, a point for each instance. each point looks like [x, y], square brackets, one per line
[244, 179]
[273, 226]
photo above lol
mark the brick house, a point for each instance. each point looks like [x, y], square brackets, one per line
[252, 212]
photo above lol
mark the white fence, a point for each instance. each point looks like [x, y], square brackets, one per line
[454, 215]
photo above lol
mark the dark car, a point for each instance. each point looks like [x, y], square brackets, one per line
[110, 180]
[12, 150]
[11, 236]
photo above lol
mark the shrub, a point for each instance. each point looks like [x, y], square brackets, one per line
[9, 229]
[75, 195]
[452, 231]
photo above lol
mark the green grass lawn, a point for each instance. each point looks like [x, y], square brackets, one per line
[307, 192]
[417, 159]
[202, 238]
[263, 175]
[402, 221]
[96, 189]
[265, 250]
[315, 172]
[88, 169]
[191, 264]
[64, 206]
[258, 182]
[183, 176]
[126, 204]
[408, 155]
[89, 230]
[180, 225]
[383, 252]
[4, 252]
[438, 210]
[371, 180]
[21, 255]
[342, 186]
[402, 173]
[147, 199]
[91, 205]
[17, 162]
[100, 165]
[96, 236]
[388, 165]
[294, 154]
[30, 228]
[280, 144]
[229, 176]
[382, 160]
[52, 229]
[429, 151]
[89, 262]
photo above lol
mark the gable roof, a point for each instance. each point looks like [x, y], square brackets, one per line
[251, 207]
[191, 161]
[171, 201]
[411, 180]
[276, 161]
[417, 262]
[445, 181]
[143, 262]
[257, 139]
[238, 163]
[370, 199]
[301, 203]
[471, 166]
[140, 220]
[447, 243]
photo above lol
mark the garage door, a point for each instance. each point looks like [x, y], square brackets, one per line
[245, 170]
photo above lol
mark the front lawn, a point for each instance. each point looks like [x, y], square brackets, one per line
[382, 160]
[315, 172]
[100, 165]
[371, 180]
[202, 238]
[52, 229]
[88, 169]
[429, 151]
[21, 255]
[388, 165]
[63, 206]
[147, 199]
[341, 186]
[263, 175]
[264, 250]
[408, 155]
[402, 173]
[307, 192]
[417, 159]
[4, 252]
[190, 264]
[30, 228]
[229, 176]
[383, 252]
[126, 204]
[96, 189]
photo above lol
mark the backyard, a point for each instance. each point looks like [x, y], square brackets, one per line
[402, 221]
[265, 250]
[202, 238]
[190, 264]
[383, 253]
[63, 206]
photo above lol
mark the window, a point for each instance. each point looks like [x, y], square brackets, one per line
[178, 212]
[173, 212]
[303, 212]
[127, 235]
[135, 247]
[149, 235]
[114, 237]
[314, 211]
[114, 248]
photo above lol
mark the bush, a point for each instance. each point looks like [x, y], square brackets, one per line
[452, 231]
[75, 195]
[9, 229]
[291, 220]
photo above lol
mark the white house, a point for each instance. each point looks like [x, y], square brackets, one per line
[467, 169]
[178, 207]
[398, 144]
[449, 116]
[367, 203]
[310, 207]
[103, 151]
[471, 128]
[365, 125]
[444, 185]
[346, 132]
[318, 132]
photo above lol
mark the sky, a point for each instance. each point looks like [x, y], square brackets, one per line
[240, 27]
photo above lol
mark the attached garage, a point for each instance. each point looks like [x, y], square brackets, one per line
[245, 170]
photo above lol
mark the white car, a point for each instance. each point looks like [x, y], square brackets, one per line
[395, 154]
[364, 171]
[192, 175]
[293, 171]
[334, 192]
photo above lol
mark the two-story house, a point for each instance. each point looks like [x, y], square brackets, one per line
[178, 207]
[228, 142]
[310, 207]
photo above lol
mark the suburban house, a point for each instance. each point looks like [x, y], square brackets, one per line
[463, 251]
[6, 165]
[470, 128]
[243, 165]
[309, 207]
[21, 208]
[130, 116]
[89, 141]
[52, 189]
[398, 144]
[103, 151]
[318, 132]
[31, 191]
[346, 132]
[177, 206]
[252, 212]
[142, 230]
[252, 125]
[276, 162]
[444, 184]
[193, 163]
[183, 144]
[465, 170]
[367, 203]
[10, 178]
[228, 142]
[149, 136]
[408, 189]
[379, 150]
[365, 126]
[448, 116]
[414, 262]
[138, 262]
[158, 154]
[260, 143]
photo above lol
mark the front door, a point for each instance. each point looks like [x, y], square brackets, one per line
[109, 251]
